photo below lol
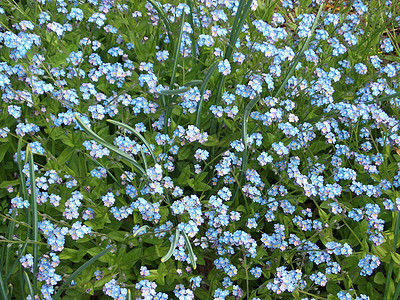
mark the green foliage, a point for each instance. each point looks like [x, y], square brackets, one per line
[222, 149]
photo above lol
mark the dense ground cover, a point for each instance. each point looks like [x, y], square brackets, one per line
[212, 149]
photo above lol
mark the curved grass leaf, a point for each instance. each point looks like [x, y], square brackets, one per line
[176, 52]
[80, 270]
[16, 261]
[168, 110]
[397, 292]
[172, 247]
[5, 250]
[193, 40]
[174, 92]
[35, 235]
[390, 269]
[202, 90]
[194, 82]
[111, 147]
[383, 99]
[246, 115]
[190, 250]
[241, 14]
[28, 283]
[245, 118]
[144, 158]
[3, 291]
[186, 87]
[21, 281]
[140, 230]
[137, 133]
[301, 52]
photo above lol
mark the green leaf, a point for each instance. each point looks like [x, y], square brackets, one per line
[3, 151]
[190, 182]
[379, 278]
[230, 124]
[396, 257]
[185, 174]
[184, 153]
[65, 138]
[212, 141]
[5, 184]
[131, 257]
[201, 186]
[68, 253]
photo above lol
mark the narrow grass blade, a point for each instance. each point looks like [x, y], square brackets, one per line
[137, 133]
[390, 269]
[181, 90]
[323, 116]
[28, 283]
[202, 90]
[35, 231]
[19, 163]
[174, 92]
[3, 291]
[237, 26]
[397, 292]
[164, 18]
[174, 68]
[173, 246]
[190, 250]
[80, 270]
[194, 82]
[129, 296]
[23, 188]
[21, 282]
[238, 22]
[144, 159]
[245, 118]
[168, 110]
[177, 51]
[5, 250]
[383, 99]
[140, 230]
[16, 261]
[301, 52]
[111, 147]
[193, 40]
[246, 115]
